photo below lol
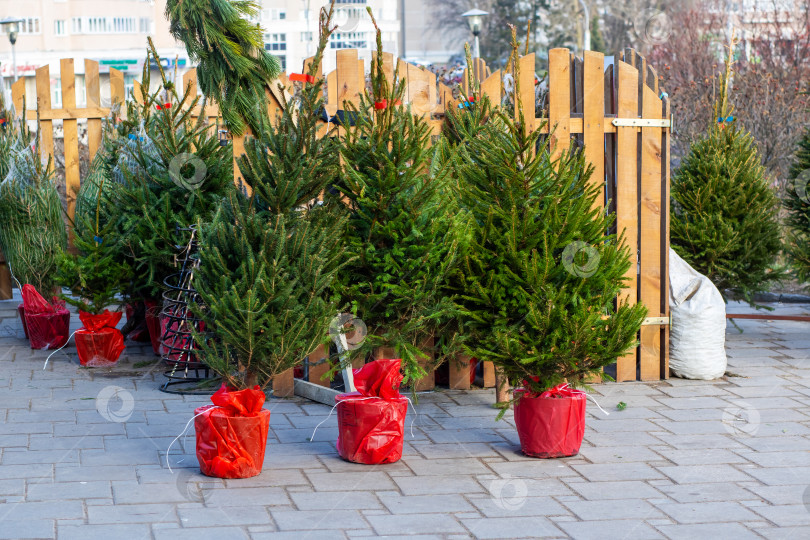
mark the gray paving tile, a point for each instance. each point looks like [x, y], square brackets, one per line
[102, 532]
[613, 509]
[713, 530]
[707, 512]
[597, 491]
[599, 530]
[513, 527]
[306, 520]
[13, 529]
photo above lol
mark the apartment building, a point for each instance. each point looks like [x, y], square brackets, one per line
[291, 29]
[112, 32]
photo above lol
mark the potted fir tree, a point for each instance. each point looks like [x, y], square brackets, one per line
[525, 307]
[175, 172]
[401, 233]
[266, 266]
[95, 277]
[32, 235]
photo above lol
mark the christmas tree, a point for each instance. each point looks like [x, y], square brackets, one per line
[797, 203]
[97, 274]
[233, 67]
[525, 305]
[175, 174]
[724, 210]
[267, 262]
[400, 234]
[32, 232]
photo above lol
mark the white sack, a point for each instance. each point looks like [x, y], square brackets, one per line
[697, 338]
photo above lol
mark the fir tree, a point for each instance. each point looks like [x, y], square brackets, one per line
[797, 203]
[724, 212]
[267, 263]
[399, 234]
[32, 232]
[176, 176]
[524, 303]
[97, 274]
[233, 67]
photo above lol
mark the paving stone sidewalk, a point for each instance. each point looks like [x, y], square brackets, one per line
[685, 459]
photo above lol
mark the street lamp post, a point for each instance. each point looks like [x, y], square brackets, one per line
[586, 31]
[12, 26]
[475, 18]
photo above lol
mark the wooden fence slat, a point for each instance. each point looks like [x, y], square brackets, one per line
[93, 89]
[118, 92]
[70, 129]
[665, 209]
[43, 82]
[527, 99]
[627, 196]
[18, 96]
[190, 82]
[388, 67]
[593, 71]
[650, 283]
[559, 101]
[492, 87]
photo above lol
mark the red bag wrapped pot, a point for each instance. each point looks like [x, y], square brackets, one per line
[99, 343]
[551, 424]
[153, 324]
[371, 421]
[141, 332]
[47, 323]
[232, 435]
[21, 311]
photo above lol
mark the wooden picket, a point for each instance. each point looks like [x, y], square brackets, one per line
[614, 111]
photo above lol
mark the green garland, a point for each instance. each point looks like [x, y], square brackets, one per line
[234, 69]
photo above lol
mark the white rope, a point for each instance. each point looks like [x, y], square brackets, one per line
[183, 433]
[59, 349]
[312, 438]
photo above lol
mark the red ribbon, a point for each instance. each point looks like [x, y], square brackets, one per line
[300, 77]
[2, 121]
[559, 391]
[164, 106]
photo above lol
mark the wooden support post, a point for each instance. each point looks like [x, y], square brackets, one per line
[284, 384]
[459, 372]
[428, 382]
[488, 379]
[316, 372]
[43, 79]
[502, 390]
[5, 279]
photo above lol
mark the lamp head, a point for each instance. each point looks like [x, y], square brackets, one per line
[475, 18]
[12, 27]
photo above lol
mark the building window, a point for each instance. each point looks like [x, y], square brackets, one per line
[306, 36]
[145, 25]
[59, 27]
[76, 25]
[29, 25]
[349, 40]
[282, 61]
[275, 42]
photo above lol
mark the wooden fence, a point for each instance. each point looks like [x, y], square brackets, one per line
[612, 110]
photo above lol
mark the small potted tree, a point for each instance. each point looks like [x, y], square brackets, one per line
[541, 278]
[267, 263]
[95, 277]
[32, 234]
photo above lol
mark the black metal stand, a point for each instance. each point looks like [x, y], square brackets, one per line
[187, 375]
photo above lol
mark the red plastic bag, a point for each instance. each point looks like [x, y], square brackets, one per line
[47, 323]
[380, 378]
[141, 332]
[232, 437]
[99, 343]
[153, 324]
[551, 424]
[371, 421]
